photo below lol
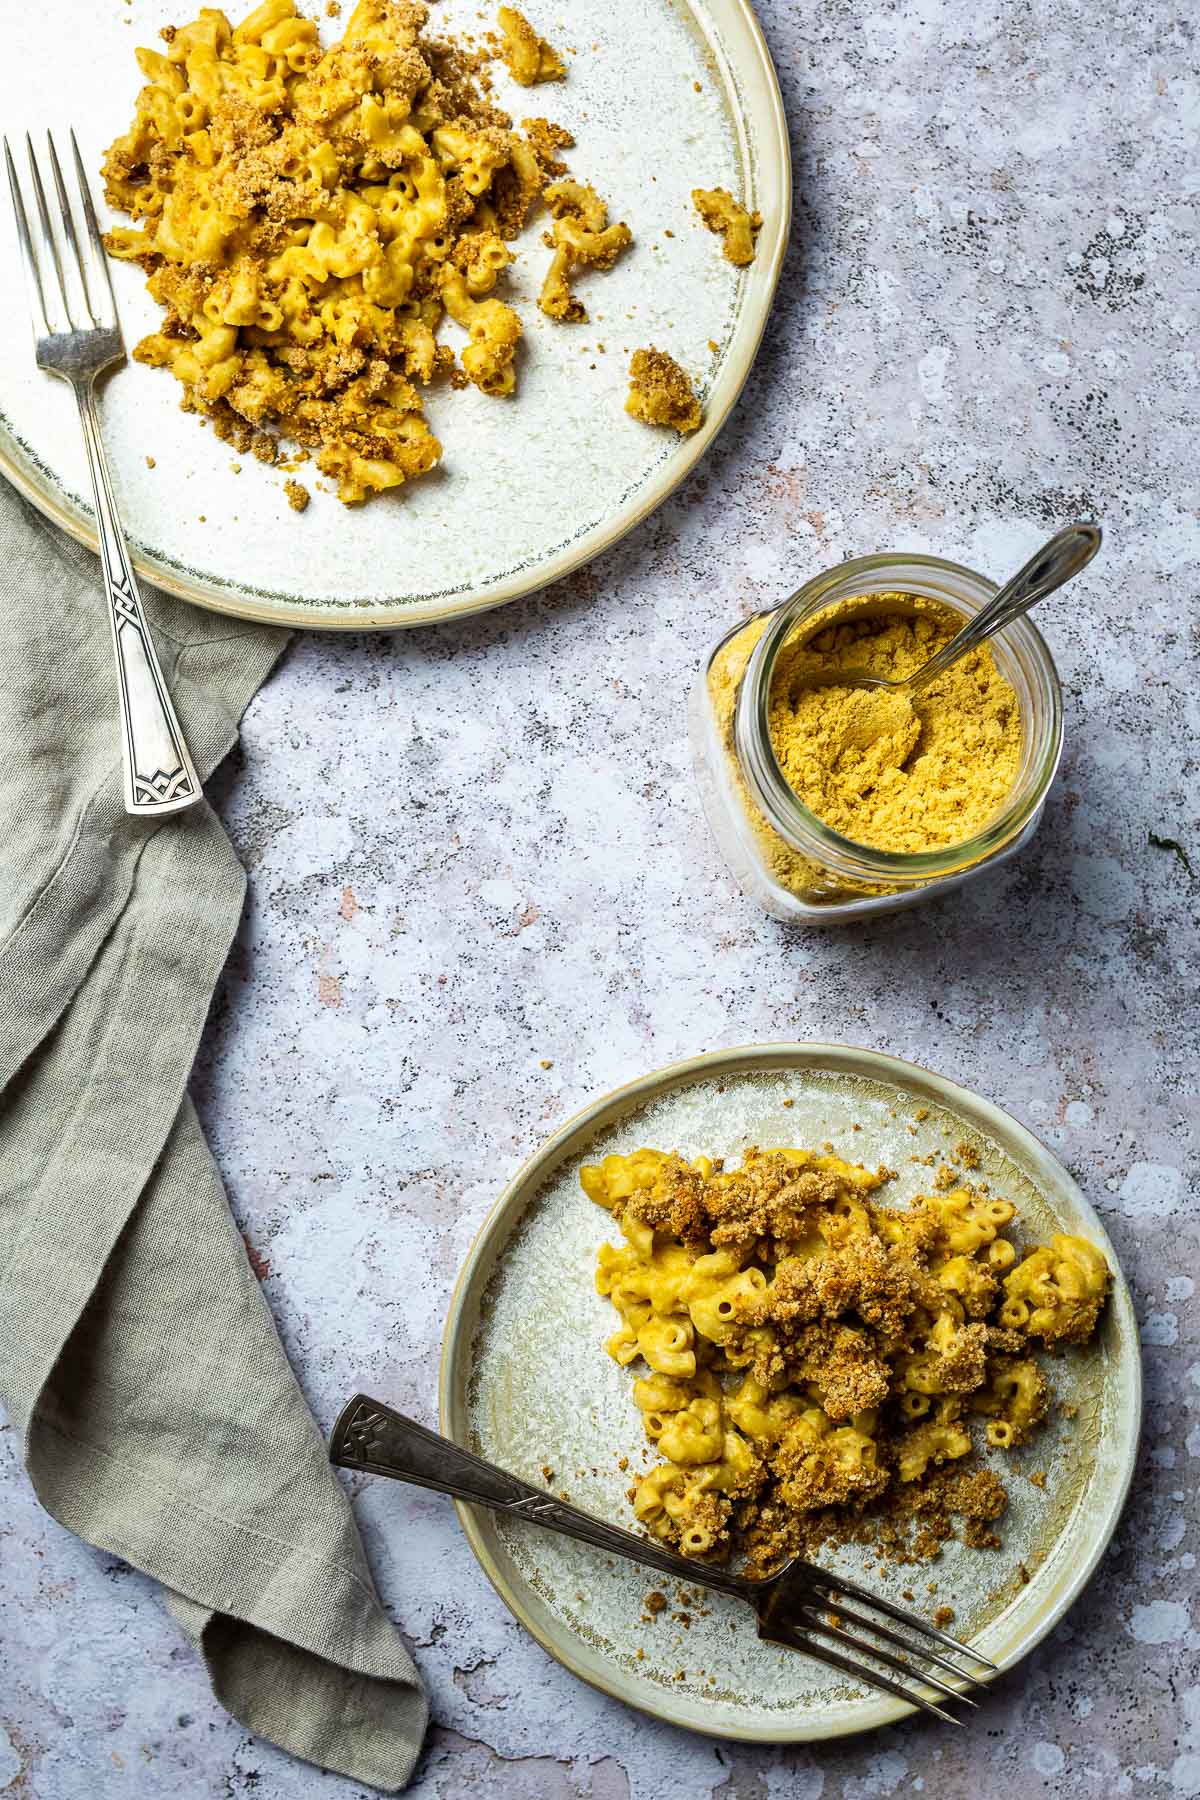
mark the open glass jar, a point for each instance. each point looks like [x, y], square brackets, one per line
[787, 858]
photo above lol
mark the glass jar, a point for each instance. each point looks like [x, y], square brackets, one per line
[785, 857]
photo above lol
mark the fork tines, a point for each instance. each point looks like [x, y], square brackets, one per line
[806, 1639]
[832, 1588]
[49, 298]
[911, 1654]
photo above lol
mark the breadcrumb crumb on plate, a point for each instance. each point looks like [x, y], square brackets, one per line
[528, 1282]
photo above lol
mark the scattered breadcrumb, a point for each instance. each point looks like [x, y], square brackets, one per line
[943, 1616]
[660, 392]
[298, 495]
[545, 1063]
[546, 140]
[655, 1602]
[150, 463]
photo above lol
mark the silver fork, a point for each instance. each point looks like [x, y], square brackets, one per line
[159, 776]
[800, 1606]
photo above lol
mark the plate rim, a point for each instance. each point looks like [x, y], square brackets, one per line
[40, 489]
[742, 1058]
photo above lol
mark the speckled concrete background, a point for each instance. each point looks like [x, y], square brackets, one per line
[475, 849]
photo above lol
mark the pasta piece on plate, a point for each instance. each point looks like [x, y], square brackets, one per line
[660, 392]
[528, 57]
[730, 221]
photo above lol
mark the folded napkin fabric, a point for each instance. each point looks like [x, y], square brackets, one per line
[160, 1419]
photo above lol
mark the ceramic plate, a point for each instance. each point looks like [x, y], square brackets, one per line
[662, 96]
[526, 1381]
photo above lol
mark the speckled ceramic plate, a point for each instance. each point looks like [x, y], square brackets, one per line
[662, 96]
[526, 1381]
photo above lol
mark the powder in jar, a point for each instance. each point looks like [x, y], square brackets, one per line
[882, 769]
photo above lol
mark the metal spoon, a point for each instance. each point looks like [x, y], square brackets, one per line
[1058, 561]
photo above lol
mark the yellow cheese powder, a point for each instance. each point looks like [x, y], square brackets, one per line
[881, 769]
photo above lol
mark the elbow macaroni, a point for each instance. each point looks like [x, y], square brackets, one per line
[528, 57]
[582, 237]
[1056, 1293]
[807, 1348]
[730, 221]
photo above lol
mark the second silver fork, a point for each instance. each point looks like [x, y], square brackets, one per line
[159, 774]
[800, 1606]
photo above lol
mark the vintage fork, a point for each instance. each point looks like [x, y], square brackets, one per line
[800, 1607]
[159, 776]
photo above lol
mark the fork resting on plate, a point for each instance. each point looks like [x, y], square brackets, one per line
[159, 776]
[800, 1606]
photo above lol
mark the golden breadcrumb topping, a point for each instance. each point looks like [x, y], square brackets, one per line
[661, 393]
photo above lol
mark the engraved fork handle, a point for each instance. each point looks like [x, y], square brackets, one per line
[159, 775]
[370, 1436]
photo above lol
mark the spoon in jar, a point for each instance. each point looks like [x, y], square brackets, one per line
[1058, 561]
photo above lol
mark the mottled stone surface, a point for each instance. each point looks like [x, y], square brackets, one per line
[474, 849]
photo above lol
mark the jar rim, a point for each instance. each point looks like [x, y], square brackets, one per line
[804, 829]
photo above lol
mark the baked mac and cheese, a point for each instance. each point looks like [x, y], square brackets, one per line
[805, 1354]
[308, 216]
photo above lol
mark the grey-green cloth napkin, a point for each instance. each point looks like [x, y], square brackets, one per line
[138, 1359]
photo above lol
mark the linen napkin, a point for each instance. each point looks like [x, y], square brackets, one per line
[159, 1416]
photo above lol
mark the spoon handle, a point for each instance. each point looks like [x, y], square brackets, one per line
[1062, 557]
